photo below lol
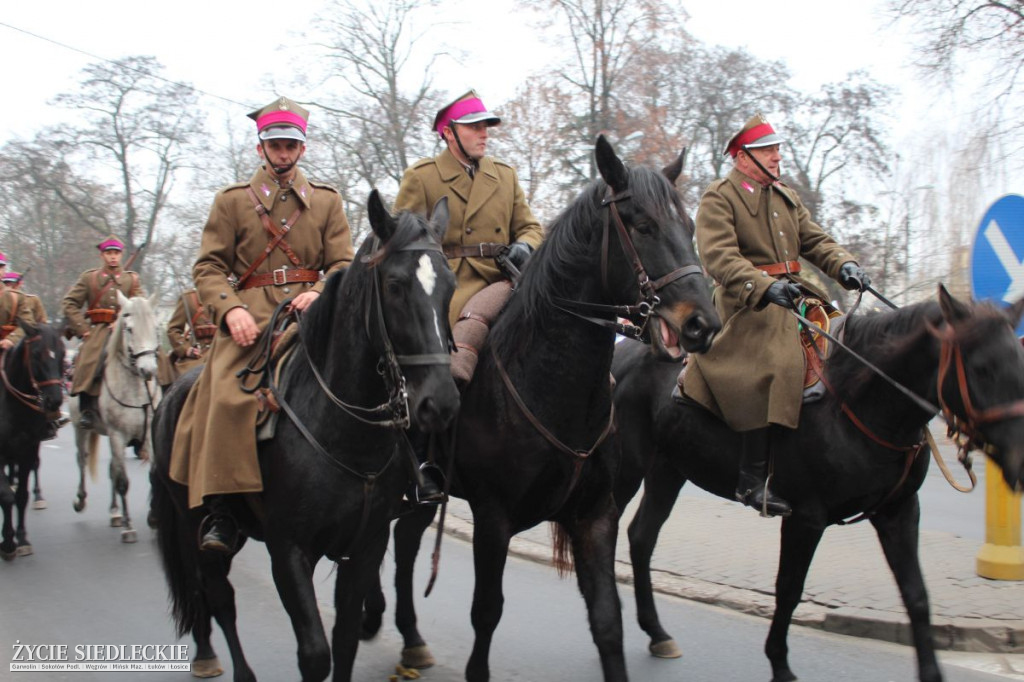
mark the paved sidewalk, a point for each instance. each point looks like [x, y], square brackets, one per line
[721, 553]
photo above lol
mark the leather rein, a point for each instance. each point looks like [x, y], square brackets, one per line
[30, 400]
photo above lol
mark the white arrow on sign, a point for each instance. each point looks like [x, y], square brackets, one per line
[1013, 266]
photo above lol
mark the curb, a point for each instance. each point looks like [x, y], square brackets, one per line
[978, 635]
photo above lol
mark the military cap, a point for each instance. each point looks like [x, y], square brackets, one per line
[466, 109]
[3, 259]
[111, 243]
[11, 277]
[756, 132]
[281, 119]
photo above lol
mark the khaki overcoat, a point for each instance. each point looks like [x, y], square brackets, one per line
[753, 374]
[89, 292]
[487, 208]
[189, 316]
[215, 441]
[35, 305]
[13, 308]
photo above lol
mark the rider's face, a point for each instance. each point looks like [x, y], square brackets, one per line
[473, 137]
[112, 257]
[281, 152]
[770, 158]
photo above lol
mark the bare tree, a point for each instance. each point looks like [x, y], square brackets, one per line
[135, 132]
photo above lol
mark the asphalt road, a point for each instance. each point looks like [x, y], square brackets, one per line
[83, 586]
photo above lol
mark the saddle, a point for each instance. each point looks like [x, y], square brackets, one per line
[816, 346]
[471, 329]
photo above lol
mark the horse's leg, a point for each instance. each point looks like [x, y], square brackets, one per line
[82, 444]
[293, 575]
[409, 532]
[593, 544]
[799, 541]
[220, 599]
[354, 577]
[21, 503]
[38, 502]
[661, 488]
[119, 488]
[491, 536]
[897, 530]
[8, 547]
[373, 609]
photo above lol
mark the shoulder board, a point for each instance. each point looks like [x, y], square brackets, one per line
[503, 163]
[235, 185]
[28, 295]
[424, 162]
[324, 185]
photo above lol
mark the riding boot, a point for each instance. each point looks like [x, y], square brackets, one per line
[221, 529]
[87, 406]
[752, 487]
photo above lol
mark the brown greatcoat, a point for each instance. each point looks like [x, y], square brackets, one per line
[215, 441]
[35, 305]
[487, 208]
[190, 327]
[90, 292]
[13, 308]
[753, 374]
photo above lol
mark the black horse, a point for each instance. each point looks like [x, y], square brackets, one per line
[336, 469]
[540, 401]
[31, 394]
[831, 469]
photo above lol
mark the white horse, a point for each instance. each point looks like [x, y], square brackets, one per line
[128, 396]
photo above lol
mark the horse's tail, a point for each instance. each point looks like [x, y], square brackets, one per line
[92, 450]
[561, 550]
[179, 555]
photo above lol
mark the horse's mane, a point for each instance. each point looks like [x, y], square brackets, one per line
[343, 292]
[569, 254]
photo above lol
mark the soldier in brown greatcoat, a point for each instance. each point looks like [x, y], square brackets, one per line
[91, 307]
[241, 283]
[190, 331]
[486, 203]
[751, 229]
[12, 309]
[13, 280]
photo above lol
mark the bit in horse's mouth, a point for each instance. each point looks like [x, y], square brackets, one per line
[666, 339]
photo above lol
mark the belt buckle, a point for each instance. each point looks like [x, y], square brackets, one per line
[283, 279]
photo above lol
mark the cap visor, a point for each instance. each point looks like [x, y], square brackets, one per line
[479, 116]
[282, 133]
[766, 141]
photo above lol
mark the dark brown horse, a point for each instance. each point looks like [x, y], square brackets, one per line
[963, 356]
[540, 401]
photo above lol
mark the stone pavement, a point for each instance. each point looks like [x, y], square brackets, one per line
[721, 553]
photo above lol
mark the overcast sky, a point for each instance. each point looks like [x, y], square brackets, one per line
[230, 48]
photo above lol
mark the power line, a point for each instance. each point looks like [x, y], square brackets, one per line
[122, 66]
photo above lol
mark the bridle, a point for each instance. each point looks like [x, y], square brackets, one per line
[132, 365]
[33, 401]
[127, 334]
[640, 313]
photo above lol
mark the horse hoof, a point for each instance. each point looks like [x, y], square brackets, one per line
[40, 504]
[417, 657]
[129, 536]
[24, 550]
[78, 505]
[116, 521]
[8, 556]
[665, 649]
[207, 667]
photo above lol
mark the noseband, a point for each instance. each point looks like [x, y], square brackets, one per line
[638, 314]
[31, 400]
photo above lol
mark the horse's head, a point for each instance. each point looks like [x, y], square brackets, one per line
[652, 263]
[415, 288]
[135, 340]
[981, 379]
[42, 353]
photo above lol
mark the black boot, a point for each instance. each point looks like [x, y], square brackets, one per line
[752, 487]
[221, 530]
[87, 406]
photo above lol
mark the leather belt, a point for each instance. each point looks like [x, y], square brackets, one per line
[280, 277]
[485, 250]
[790, 266]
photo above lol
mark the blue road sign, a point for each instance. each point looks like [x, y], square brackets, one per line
[997, 259]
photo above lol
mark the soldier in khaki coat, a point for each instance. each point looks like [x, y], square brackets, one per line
[241, 283]
[91, 307]
[751, 230]
[13, 280]
[190, 331]
[488, 207]
[12, 309]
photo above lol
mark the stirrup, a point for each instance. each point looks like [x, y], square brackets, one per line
[212, 538]
[432, 490]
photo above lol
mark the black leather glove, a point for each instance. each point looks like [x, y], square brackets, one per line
[518, 254]
[852, 276]
[783, 294]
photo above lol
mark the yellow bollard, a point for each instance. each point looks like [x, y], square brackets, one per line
[1001, 557]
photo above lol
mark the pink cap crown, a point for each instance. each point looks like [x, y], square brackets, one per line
[11, 277]
[3, 258]
[111, 244]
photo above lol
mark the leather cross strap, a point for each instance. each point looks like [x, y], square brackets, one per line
[485, 250]
[775, 269]
[280, 277]
[106, 287]
[277, 233]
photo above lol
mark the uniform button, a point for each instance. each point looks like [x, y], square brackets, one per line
[764, 274]
[223, 296]
[748, 286]
[284, 221]
[497, 229]
[780, 234]
[284, 197]
[286, 290]
[775, 214]
[469, 230]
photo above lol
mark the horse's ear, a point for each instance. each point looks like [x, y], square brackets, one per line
[952, 309]
[439, 218]
[381, 222]
[675, 169]
[610, 166]
[122, 300]
[153, 301]
[1015, 312]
